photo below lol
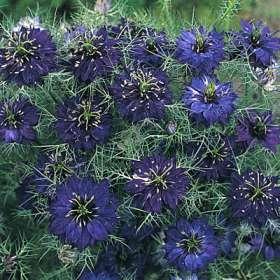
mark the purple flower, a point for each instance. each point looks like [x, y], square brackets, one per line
[27, 56]
[83, 121]
[88, 275]
[209, 101]
[92, 53]
[201, 49]
[17, 121]
[151, 47]
[83, 212]
[268, 244]
[213, 160]
[52, 169]
[255, 197]
[190, 245]
[257, 128]
[157, 182]
[258, 42]
[141, 93]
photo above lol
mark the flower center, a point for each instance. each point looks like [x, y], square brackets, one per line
[83, 209]
[259, 129]
[191, 244]
[255, 38]
[200, 45]
[210, 93]
[257, 193]
[88, 116]
[12, 119]
[91, 48]
[159, 181]
[151, 46]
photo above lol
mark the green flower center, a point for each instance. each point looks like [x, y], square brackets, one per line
[159, 181]
[83, 210]
[150, 43]
[257, 193]
[255, 37]
[12, 119]
[199, 46]
[210, 93]
[259, 129]
[191, 244]
[88, 117]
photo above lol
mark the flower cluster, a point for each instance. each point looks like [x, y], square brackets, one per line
[134, 222]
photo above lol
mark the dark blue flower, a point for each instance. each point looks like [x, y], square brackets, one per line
[92, 53]
[83, 212]
[258, 42]
[141, 93]
[213, 160]
[254, 197]
[83, 121]
[151, 47]
[157, 182]
[201, 49]
[88, 275]
[257, 128]
[209, 101]
[227, 241]
[17, 121]
[52, 169]
[190, 245]
[268, 244]
[27, 56]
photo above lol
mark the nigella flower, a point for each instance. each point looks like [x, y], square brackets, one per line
[92, 54]
[89, 275]
[157, 182]
[83, 121]
[258, 128]
[52, 169]
[213, 160]
[27, 56]
[141, 93]
[151, 47]
[268, 244]
[83, 212]
[254, 197]
[209, 101]
[190, 245]
[17, 121]
[201, 49]
[258, 42]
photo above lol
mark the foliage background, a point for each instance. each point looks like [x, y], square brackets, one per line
[37, 254]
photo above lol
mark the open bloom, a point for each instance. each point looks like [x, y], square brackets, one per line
[89, 275]
[213, 160]
[258, 42]
[92, 53]
[254, 197]
[209, 101]
[83, 121]
[190, 245]
[257, 128]
[157, 182]
[17, 121]
[83, 212]
[201, 49]
[27, 56]
[151, 47]
[141, 93]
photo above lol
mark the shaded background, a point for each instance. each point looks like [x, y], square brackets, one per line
[267, 10]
